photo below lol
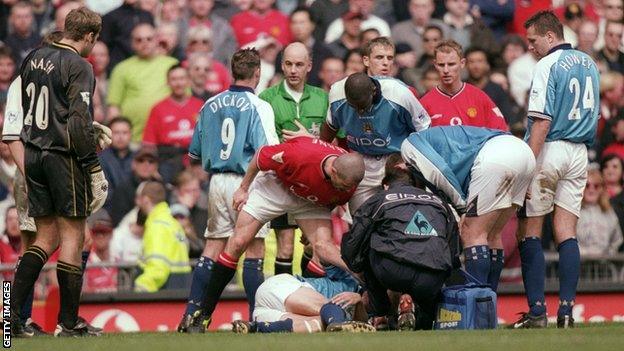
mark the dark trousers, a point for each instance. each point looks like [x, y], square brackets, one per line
[422, 284]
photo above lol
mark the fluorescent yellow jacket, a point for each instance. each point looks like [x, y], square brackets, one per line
[165, 250]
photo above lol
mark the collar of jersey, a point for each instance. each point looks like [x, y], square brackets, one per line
[564, 46]
[65, 46]
[240, 88]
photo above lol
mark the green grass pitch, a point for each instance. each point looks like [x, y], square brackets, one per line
[584, 337]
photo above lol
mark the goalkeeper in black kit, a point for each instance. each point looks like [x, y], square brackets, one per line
[63, 175]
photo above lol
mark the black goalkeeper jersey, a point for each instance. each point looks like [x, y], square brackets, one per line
[57, 83]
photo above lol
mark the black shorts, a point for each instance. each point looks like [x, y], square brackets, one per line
[281, 222]
[57, 185]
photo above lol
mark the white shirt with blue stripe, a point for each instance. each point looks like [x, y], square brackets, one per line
[232, 126]
[395, 114]
[566, 90]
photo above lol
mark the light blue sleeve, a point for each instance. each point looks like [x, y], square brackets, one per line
[195, 147]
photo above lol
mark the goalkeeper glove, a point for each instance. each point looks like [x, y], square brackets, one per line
[103, 135]
[99, 189]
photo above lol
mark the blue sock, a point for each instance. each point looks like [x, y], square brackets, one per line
[252, 278]
[85, 258]
[569, 269]
[497, 261]
[332, 313]
[285, 326]
[533, 274]
[477, 261]
[201, 277]
[27, 306]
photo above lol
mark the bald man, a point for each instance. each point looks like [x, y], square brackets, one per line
[297, 106]
[304, 177]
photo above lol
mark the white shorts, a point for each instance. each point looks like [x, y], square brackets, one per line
[500, 175]
[560, 178]
[272, 294]
[26, 223]
[375, 170]
[222, 215]
[269, 198]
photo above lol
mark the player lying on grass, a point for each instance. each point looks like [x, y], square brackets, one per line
[304, 177]
[287, 303]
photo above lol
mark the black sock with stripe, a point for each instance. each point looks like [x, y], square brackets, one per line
[70, 284]
[26, 275]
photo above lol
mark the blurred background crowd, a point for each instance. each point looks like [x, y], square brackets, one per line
[157, 61]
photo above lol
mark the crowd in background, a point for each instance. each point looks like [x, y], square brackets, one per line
[157, 61]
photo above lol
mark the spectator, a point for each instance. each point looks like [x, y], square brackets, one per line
[432, 36]
[411, 31]
[138, 82]
[116, 160]
[465, 29]
[10, 242]
[429, 80]
[164, 261]
[512, 48]
[127, 242]
[268, 47]
[7, 72]
[100, 279]
[611, 92]
[365, 8]
[350, 38]
[324, 12]
[598, 231]
[301, 27]
[612, 168]
[478, 67]
[572, 18]
[99, 60]
[171, 123]
[495, 14]
[151, 6]
[199, 68]
[144, 167]
[170, 12]
[195, 240]
[22, 37]
[617, 136]
[187, 192]
[167, 35]
[611, 54]
[521, 13]
[332, 70]
[117, 24]
[518, 71]
[200, 42]
[587, 36]
[201, 16]
[353, 62]
[59, 17]
[103, 7]
[613, 10]
[261, 20]
[367, 35]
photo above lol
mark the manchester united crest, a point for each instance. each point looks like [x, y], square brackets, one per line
[471, 112]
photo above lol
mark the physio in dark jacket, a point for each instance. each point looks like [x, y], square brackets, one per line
[402, 239]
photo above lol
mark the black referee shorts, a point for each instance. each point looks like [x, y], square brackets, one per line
[57, 185]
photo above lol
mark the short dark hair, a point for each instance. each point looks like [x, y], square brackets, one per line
[120, 119]
[473, 49]
[434, 27]
[301, 9]
[358, 88]
[394, 174]
[379, 41]
[154, 190]
[80, 22]
[545, 21]
[244, 63]
[5, 51]
[174, 67]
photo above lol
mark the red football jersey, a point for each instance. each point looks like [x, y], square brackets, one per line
[469, 107]
[298, 163]
[247, 25]
[171, 123]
